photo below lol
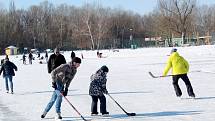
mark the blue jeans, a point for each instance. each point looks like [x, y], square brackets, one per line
[10, 79]
[56, 96]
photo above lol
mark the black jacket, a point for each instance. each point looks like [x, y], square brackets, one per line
[72, 54]
[55, 61]
[8, 69]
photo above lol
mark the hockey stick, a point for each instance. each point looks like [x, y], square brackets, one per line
[74, 108]
[153, 76]
[210, 72]
[128, 114]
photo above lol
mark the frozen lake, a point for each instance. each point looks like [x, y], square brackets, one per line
[128, 83]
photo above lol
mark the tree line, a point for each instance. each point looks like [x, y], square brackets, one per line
[93, 26]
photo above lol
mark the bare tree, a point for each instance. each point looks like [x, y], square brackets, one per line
[177, 13]
[87, 29]
[93, 26]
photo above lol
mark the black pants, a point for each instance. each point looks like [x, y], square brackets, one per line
[186, 80]
[102, 104]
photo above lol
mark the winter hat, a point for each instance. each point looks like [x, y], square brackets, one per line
[76, 59]
[104, 68]
[173, 50]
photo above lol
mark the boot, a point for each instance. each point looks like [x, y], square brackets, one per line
[105, 114]
[58, 116]
[43, 115]
[94, 114]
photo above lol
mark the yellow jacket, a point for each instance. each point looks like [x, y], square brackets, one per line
[178, 64]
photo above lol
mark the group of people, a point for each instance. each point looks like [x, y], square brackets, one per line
[30, 58]
[62, 74]
[99, 55]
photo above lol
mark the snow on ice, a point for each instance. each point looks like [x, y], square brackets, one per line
[152, 99]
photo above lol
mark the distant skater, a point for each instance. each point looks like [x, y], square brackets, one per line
[72, 54]
[99, 55]
[46, 56]
[30, 57]
[24, 59]
[82, 56]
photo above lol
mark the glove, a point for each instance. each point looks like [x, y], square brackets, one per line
[54, 85]
[65, 92]
[105, 92]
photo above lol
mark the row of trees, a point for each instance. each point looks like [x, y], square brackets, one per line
[93, 26]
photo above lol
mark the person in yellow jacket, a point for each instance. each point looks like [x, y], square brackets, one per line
[180, 68]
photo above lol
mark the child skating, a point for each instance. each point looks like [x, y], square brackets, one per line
[97, 90]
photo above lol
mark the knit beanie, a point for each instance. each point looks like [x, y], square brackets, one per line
[104, 68]
[173, 50]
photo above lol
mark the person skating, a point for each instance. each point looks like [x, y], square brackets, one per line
[61, 79]
[38, 54]
[8, 68]
[72, 54]
[55, 60]
[99, 55]
[97, 90]
[46, 56]
[24, 59]
[180, 68]
[30, 57]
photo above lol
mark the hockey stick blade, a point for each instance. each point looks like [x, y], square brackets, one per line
[153, 76]
[150, 73]
[73, 107]
[131, 114]
[128, 114]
